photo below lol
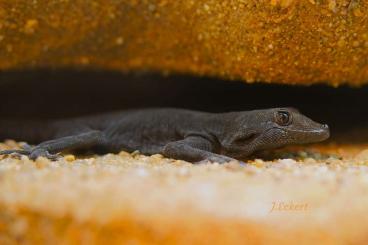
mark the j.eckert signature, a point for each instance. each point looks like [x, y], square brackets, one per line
[289, 206]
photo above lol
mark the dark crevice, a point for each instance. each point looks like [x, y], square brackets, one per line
[68, 93]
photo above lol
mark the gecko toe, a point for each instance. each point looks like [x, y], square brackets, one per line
[27, 147]
[15, 153]
[218, 159]
[39, 152]
[54, 157]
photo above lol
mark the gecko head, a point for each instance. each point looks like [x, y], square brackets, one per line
[272, 128]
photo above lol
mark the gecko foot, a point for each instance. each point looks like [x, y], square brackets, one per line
[32, 153]
[218, 159]
[39, 152]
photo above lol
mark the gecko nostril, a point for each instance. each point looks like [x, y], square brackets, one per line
[325, 126]
[326, 130]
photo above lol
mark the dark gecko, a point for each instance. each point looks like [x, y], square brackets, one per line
[175, 133]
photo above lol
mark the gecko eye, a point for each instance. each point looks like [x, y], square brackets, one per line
[283, 118]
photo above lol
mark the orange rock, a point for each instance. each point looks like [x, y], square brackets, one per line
[281, 41]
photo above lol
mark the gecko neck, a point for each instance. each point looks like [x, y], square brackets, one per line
[221, 124]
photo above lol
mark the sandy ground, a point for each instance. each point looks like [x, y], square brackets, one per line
[313, 194]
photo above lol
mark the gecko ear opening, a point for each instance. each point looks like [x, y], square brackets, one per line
[245, 139]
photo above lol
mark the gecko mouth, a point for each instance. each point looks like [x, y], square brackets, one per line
[318, 135]
[312, 136]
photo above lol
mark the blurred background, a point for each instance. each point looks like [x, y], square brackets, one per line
[41, 94]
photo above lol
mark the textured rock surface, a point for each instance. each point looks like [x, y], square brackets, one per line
[153, 200]
[284, 41]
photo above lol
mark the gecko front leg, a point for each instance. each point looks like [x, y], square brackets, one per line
[194, 149]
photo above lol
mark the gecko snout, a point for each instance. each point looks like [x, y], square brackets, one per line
[316, 133]
[327, 130]
[323, 132]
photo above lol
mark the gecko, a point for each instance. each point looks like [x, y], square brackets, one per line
[188, 135]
